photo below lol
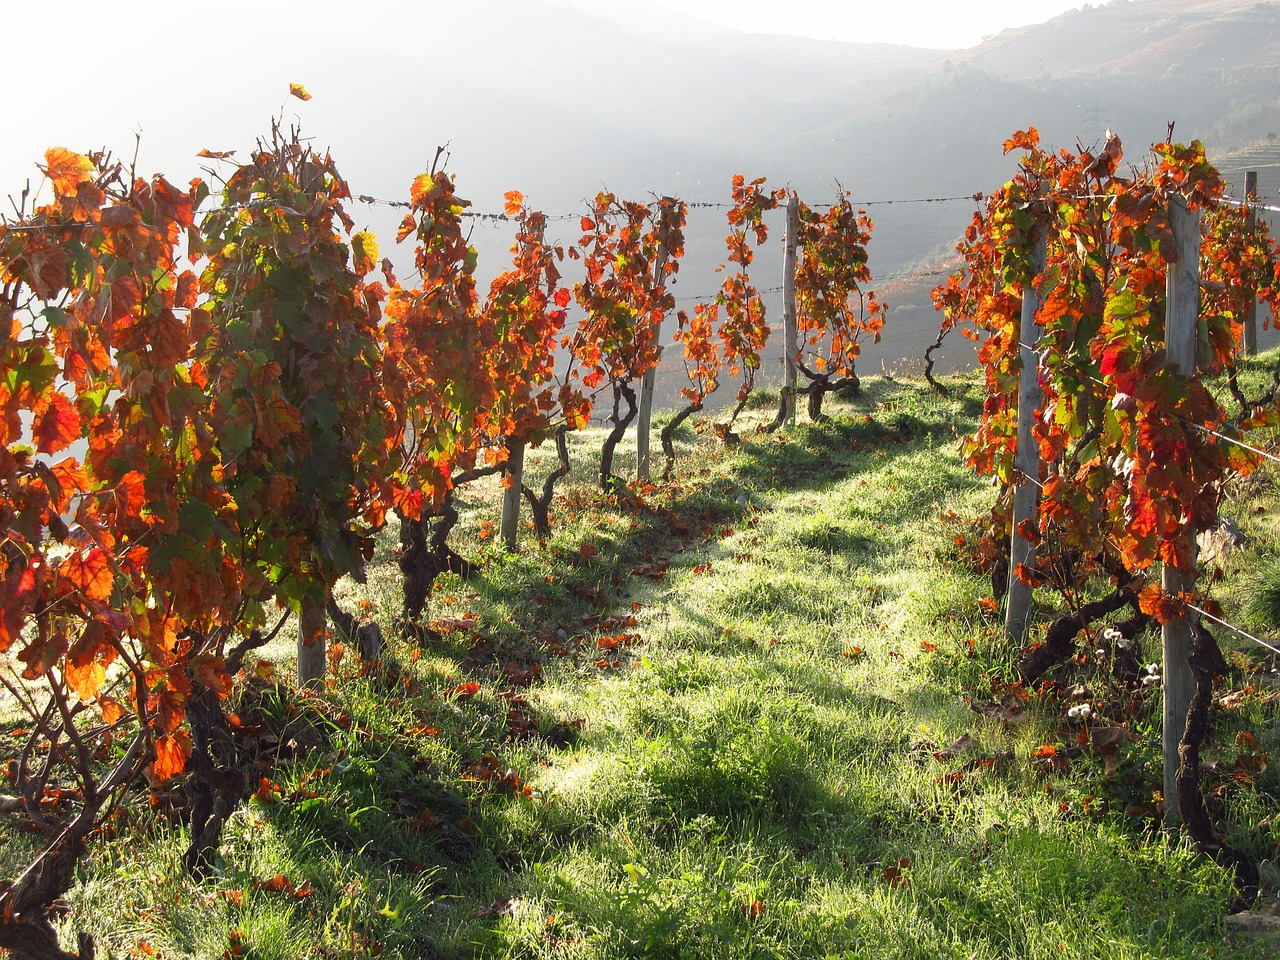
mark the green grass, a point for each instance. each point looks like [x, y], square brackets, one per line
[758, 769]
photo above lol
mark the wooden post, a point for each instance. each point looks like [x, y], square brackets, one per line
[644, 414]
[513, 478]
[312, 625]
[1026, 490]
[1251, 304]
[790, 332]
[1182, 308]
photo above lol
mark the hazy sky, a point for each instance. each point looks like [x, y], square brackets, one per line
[919, 23]
[391, 78]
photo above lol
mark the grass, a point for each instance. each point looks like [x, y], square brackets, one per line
[728, 718]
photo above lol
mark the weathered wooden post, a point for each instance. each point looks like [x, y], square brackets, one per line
[1026, 490]
[790, 323]
[312, 625]
[644, 415]
[1251, 304]
[512, 480]
[513, 475]
[1182, 308]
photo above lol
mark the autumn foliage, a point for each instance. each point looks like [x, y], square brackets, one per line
[835, 309]
[1135, 454]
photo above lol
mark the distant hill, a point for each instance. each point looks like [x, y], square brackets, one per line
[1139, 38]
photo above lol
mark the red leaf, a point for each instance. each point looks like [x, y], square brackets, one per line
[21, 588]
[897, 873]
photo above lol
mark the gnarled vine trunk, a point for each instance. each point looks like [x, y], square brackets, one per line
[609, 482]
[1059, 644]
[668, 437]
[820, 386]
[540, 504]
[216, 783]
[1206, 663]
[425, 554]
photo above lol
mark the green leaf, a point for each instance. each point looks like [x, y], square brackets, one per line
[322, 412]
[1121, 307]
[237, 431]
[240, 333]
[197, 519]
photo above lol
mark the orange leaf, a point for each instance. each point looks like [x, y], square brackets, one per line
[130, 494]
[514, 200]
[58, 427]
[1027, 139]
[209, 670]
[112, 711]
[1154, 602]
[277, 884]
[90, 573]
[66, 170]
[588, 550]
[172, 752]
[299, 91]
[87, 661]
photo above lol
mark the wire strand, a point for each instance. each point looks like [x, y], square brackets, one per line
[1231, 627]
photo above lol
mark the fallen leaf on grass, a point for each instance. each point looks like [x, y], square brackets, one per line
[499, 908]
[897, 874]
[282, 884]
[966, 744]
[465, 691]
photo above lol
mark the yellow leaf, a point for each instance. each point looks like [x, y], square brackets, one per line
[299, 91]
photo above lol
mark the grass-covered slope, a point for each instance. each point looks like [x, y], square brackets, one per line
[734, 717]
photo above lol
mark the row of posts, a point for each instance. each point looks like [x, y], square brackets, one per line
[508, 527]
